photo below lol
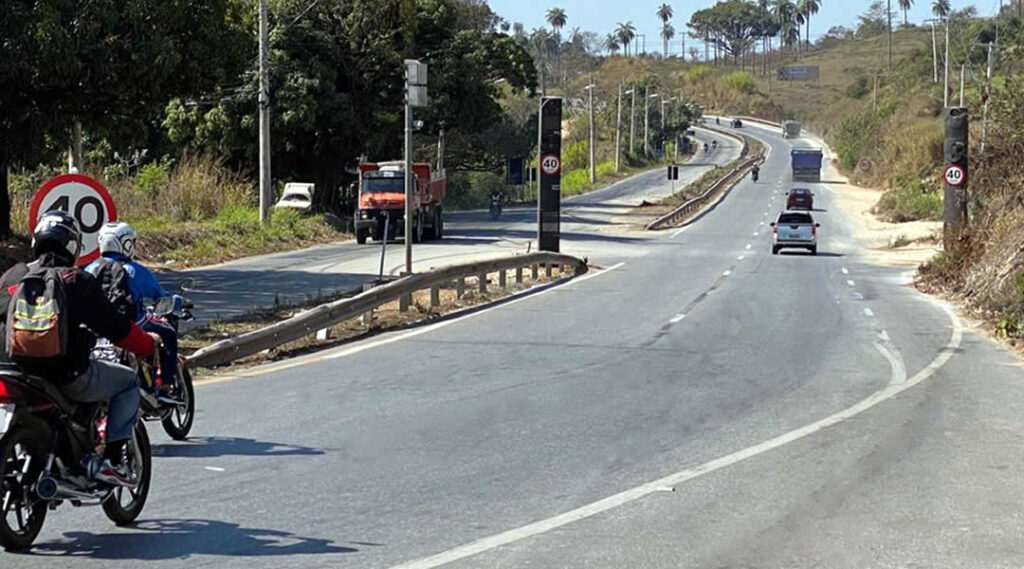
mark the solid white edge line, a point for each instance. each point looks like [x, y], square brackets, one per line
[677, 232]
[633, 494]
[677, 318]
[897, 368]
[432, 327]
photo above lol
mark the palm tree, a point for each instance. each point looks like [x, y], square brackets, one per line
[905, 5]
[556, 18]
[664, 13]
[807, 8]
[940, 8]
[626, 33]
[783, 11]
[611, 43]
[543, 43]
[667, 33]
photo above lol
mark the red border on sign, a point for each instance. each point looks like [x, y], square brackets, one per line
[37, 200]
[951, 167]
[551, 156]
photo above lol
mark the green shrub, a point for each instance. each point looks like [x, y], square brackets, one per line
[698, 72]
[854, 136]
[153, 177]
[911, 201]
[858, 88]
[576, 155]
[739, 81]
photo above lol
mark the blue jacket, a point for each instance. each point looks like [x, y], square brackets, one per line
[141, 283]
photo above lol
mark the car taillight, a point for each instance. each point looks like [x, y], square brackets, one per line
[6, 393]
[814, 231]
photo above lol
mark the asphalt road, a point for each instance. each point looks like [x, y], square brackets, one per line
[699, 403]
[239, 286]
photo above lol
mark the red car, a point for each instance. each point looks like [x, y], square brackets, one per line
[800, 198]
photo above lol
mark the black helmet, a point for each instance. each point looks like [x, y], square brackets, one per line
[57, 233]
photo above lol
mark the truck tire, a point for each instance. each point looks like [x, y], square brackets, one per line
[439, 225]
[361, 235]
[417, 229]
[431, 231]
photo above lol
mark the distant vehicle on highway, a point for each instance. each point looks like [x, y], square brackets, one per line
[737, 123]
[382, 201]
[800, 198]
[790, 129]
[795, 229]
[806, 164]
[296, 196]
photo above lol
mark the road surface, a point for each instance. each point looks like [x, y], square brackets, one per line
[698, 403]
[239, 286]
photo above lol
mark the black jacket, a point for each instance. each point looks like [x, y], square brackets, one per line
[89, 313]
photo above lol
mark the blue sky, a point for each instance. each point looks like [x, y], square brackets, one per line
[602, 15]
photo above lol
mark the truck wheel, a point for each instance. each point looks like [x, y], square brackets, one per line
[417, 229]
[439, 226]
[431, 232]
[775, 250]
[814, 250]
[361, 235]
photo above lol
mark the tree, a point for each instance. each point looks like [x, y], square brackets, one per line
[667, 33]
[783, 12]
[664, 14]
[731, 25]
[905, 5]
[808, 8]
[941, 8]
[626, 33]
[611, 43]
[872, 22]
[557, 19]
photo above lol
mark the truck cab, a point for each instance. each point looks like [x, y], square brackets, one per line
[380, 209]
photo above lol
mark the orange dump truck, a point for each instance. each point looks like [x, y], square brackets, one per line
[382, 201]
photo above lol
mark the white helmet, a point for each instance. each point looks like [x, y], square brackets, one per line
[117, 237]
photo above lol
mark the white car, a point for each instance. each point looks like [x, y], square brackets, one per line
[795, 229]
[296, 196]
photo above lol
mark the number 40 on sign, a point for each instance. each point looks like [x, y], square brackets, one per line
[84, 198]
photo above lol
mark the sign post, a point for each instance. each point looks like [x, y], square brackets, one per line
[549, 195]
[82, 197]
[954, 209]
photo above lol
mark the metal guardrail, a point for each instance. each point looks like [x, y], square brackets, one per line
[690, 206]
[331, 313]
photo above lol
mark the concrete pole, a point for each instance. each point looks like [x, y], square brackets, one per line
[593, 170]
[618, 128]
[935, 56]
[945, 86]
[874, 92]
[632, 119]
[409, 180]
[647, 115]
[888, 12]
[961, 84]
[988, 94]
[264, 111]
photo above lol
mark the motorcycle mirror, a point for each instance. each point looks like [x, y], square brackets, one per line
[164, 306]
[187, 284]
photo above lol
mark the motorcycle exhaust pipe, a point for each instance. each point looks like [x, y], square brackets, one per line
[51, 489]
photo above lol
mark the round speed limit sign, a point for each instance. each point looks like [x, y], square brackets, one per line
[954, 175]
[550, 164]
[84, 198]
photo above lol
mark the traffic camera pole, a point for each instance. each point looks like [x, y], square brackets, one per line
[955, 148]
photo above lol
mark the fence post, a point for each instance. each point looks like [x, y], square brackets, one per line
[403, 302]
[547, 270]
[435, 296]
[482, 282]
[519, 275]
[460, 287]
[533, 271]
[502, 279]
[367, 318]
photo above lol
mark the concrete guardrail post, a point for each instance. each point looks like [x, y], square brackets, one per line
[435, 296]
[503, 279]
[367, 318]
[460, 287]
[481, 282]
[519, 275]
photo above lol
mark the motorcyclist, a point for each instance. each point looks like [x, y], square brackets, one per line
[57, 242]
[714, 144]
[705, 147]
[117, 245]
[755, 172]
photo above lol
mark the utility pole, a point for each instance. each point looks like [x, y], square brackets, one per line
[593, 171]
[632, 119]
[874, 92]
[961, 84]
[888, 13]
[264, 110]
[945, 86]
[988, 94]
[647, 116]
[618, 128]
[935, 56]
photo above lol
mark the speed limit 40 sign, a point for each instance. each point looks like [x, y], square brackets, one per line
[84, 198]
[954, 175]
[550, 164]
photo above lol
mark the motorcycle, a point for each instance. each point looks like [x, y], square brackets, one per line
[176, 417]
[754, 174]
[495, 209]
[46, 442]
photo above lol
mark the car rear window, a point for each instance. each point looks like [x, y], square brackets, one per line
[793, 218]
[799, 192]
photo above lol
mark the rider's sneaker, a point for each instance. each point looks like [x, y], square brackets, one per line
[113, 475]
[164, 396]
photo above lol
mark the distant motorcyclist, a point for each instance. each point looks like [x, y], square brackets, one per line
[127, 284]
[705, 147]
[755, 172]
[714, 144]
[80, 308]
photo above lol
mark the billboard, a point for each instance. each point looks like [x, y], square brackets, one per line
[798, 73]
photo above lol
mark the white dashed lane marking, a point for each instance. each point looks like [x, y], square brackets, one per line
[867, 312]
[849, 283]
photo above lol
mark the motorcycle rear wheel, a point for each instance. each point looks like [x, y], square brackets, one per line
[178, 423]
[18, 499]
[140, 461]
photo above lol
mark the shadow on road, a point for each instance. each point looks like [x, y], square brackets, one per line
[155, 540]
[208, 447]
[789, 253]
